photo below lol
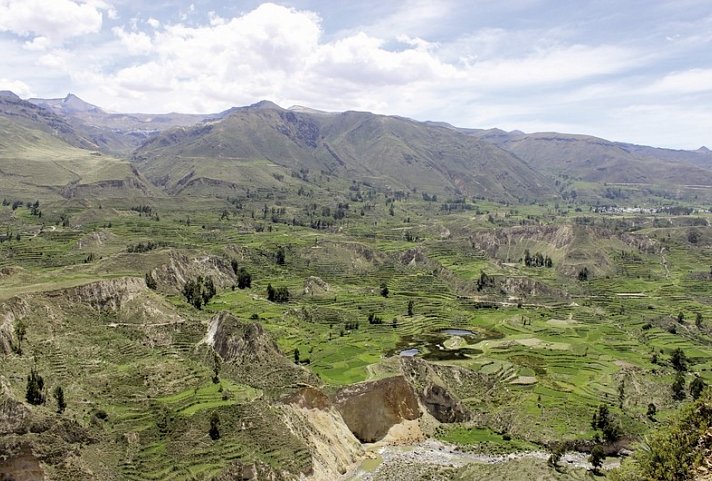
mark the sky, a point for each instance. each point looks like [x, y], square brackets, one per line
[625, 70]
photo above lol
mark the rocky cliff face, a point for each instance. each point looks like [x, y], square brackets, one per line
[11, 311]
[110, 295]
[14, 415]
[310, 415]
[31, 441]
[239, 471]
[172, 276]
[23, 466]
[241, 343]
[432, 390]
[250, 353]
[370, 409]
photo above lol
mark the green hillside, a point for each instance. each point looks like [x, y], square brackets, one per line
[385, 151]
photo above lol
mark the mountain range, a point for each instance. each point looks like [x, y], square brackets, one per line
[248, 147]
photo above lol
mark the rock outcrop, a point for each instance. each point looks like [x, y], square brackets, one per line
[241, 343]
[371, 408]
[110, 295]
[432, 391]
[310, 415]
[239, 471]
[11, 311]
[22, 466]
[314, 286]
[172, 276]
[14, 415]
[250, 353]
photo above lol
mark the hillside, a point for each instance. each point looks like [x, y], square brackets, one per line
[293, 304]
[36, 164]
[27, 114]
[116, 133]
[358, 146]
[592, 159]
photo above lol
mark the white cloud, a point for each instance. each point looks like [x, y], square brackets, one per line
[37, 44]
[530, 79]
[281, 53]
[56, 19]
[17, 86]
[136, 43]
[56, 59]
[683, 126]
[689, 81]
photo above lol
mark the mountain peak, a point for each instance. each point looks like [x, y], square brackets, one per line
[74, 103]
[704, 150]
[264, 105]
[6, 94]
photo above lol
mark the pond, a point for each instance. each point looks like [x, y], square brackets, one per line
[457, 332]
[430, 346]
[408, 353]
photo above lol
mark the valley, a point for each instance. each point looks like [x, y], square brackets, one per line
[278, 294]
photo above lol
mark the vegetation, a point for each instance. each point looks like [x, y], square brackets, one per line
[214, 431]
[35, 393]
[484, 289]
[58, 395]
[672, 453]
[199, 292]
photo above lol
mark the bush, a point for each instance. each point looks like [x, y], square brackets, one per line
[673, 452]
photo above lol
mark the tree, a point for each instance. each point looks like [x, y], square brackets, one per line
[216, 368]
[411, 303]
[681, 317]
[696, 387]
[296, 355]
[198, 293]
[280, 256]
[678, 360]
[384, 289]
[527, 258]
[604, 421]
[281, 295]
[678, 387]
[583, 274]
[208, 291]
[192, 291]
[597, 456]
[20, 332]
[244, 279]
[58, 395]
[600, 417]
[693, 236]
[270, 293]
[214, 431]
[484, 281]
[652, 411]
[35, 388]
[698, 320]
[621, 394]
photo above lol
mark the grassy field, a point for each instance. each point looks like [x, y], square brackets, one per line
[545, 349]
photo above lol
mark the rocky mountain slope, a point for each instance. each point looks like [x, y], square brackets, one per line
[384, 150]
[116, 133]
[592, 159]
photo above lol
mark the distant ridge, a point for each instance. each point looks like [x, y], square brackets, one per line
[396, 151]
